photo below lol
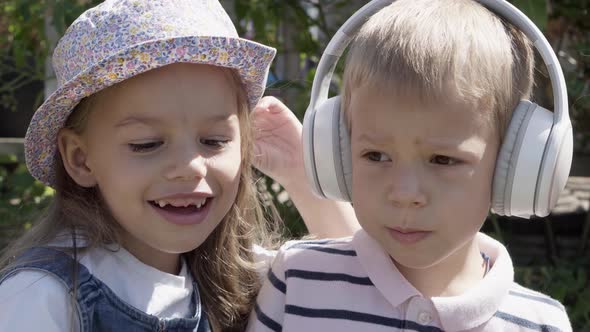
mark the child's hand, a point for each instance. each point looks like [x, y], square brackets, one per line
[278, 152]
[278, 149]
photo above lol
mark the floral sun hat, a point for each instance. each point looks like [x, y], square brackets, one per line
[119, 39]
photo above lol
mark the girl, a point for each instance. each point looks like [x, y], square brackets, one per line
[147, 144]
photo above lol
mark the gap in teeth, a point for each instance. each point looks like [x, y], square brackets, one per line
[185, 203]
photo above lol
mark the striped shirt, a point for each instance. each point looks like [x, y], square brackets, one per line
[351, 284]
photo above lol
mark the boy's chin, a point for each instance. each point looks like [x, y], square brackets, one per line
[416, 258]
[415, 263]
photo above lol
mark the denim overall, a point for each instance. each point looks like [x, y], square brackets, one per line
[98, 308]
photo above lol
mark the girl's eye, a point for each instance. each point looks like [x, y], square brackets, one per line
[444, 160]
[376, 156]
[214, 143]
[145, 147]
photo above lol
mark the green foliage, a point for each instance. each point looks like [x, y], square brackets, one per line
[25, 28]
[26, 24]
[536, 10]
[572, 16]
[22, 198]
[310, 23]
[262, 20]
[566, 25]
[24, 43]
[566, 282]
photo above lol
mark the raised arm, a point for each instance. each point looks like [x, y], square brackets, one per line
[278, 153]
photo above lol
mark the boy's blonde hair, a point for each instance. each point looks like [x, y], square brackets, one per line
[430, 49]
[223, 265]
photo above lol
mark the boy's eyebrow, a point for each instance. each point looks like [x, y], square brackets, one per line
[469, 147]
[373, 140]
[442, 142]
[467, 144]
[437, 143]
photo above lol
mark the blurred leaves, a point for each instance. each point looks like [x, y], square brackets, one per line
[24, 42]
[536, 10]
[22, 198]
[566, 282]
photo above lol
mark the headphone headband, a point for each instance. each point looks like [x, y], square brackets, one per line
[534, 159]
[344, 35]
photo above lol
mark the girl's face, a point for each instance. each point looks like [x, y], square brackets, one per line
[164, 150]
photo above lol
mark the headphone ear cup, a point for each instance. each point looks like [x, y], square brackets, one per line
[346, 154]
[555, 169]
[506, 160]
[328, 165]
[527, 164]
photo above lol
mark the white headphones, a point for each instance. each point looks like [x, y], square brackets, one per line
[533, 163]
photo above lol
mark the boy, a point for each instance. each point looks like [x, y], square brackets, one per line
[429, 87]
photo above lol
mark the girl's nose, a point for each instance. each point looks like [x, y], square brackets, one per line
[190, 167]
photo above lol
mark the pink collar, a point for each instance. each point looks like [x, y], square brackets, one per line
[463, 312]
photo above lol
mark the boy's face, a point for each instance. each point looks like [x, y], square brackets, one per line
[422, 174]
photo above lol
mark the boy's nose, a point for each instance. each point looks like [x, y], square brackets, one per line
[405, 190]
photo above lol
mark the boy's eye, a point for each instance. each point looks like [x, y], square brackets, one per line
[443, 160]
[214, 143]
[145, 147]
[376, 156]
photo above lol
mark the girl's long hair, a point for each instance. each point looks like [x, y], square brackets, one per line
[223, 265]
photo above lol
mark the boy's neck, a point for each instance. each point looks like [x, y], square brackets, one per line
[452, 276]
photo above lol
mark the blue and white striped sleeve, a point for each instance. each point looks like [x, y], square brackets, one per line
[269, 310]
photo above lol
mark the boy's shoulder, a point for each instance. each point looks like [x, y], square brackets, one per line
[525, 306]
[537, 298]
[338, 246]
[305, 253]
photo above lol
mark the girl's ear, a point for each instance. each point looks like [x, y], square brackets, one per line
[74, 155]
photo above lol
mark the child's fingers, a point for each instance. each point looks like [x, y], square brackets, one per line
[272, 104]
[271, 114]
[262, 105]
[277, 106]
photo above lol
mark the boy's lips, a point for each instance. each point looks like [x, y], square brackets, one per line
[407, 235]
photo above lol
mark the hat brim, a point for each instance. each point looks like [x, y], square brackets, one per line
[250, 59]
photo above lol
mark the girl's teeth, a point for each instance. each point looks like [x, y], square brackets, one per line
[187, 203]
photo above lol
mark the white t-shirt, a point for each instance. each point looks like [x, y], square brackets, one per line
[48, 304]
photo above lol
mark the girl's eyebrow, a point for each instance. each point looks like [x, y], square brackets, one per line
[131, 120]
[153, 121]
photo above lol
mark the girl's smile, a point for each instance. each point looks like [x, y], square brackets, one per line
[183, 209]
[167, 162]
